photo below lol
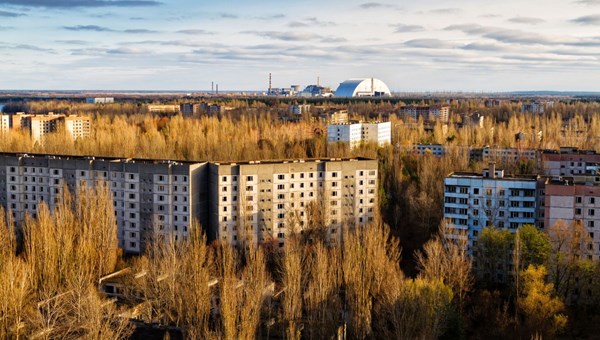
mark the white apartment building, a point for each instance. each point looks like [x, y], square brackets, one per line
[473, 201]
[300, 109]
[40, 126]
[266, 201]
[78, 126]
[356, 133]
[380, 133]
[350, 133]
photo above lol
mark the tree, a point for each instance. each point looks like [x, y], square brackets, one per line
[541, 309]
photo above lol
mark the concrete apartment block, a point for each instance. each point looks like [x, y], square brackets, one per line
[265, 201]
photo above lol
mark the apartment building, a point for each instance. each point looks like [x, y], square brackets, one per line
[42, 125]
[433, 149]
[473, 201]
[266, 201]
[148, 195]
[161, 108]
[502, 155]
[575, 200]
[78, 126]
[350, 133]
[190, 109]
[299, 109]
[536, 107]
[100, 100]
[356, 133]
[271, 199]
[570, 161]
[427, 113]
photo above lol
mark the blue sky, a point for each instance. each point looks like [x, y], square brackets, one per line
[429, 45]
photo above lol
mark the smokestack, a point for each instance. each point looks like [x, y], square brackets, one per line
[217, 89]
[270, 83]
[372, 86]
[492, 170]
[212, 87]
[318, 81]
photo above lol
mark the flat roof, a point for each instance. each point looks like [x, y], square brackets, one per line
[175, 161]
[478, 175]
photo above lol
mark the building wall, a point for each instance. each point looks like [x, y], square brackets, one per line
[575, 203]
[472, 202]
[380, 133]
[147, 195]
[264, 202]
[345, 133]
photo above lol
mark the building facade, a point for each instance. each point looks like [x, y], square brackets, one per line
[148, 195]
[100, 100]
[266, 201]
[474, 201]
[570, 162]
[354, 134]
[437, 150]
[78, 126]
[430, 113]
[575, 200]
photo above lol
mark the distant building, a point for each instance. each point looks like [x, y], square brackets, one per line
[570, 161]
[474, 119]
[100, 100]
[349, 133]
[493, 102]
[362, 87]
[161, 108]
[316, 91]
[42, 125]
[339, 117]
[427, 113]
[433, 149]
[190, 109]
[536, 107]
[377, 132]
[12, 121]
[354, 134]
[299, 109]
[78, 126]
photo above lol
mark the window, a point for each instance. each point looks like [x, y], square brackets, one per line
[249, 178]
[591, 212]
[280, 176]
[224, 189]
[476, 191]
[280, 186]
[578, 199]
[592, 200]
[224, 179]
[249, 188]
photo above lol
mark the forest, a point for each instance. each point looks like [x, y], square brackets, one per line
[399, 278]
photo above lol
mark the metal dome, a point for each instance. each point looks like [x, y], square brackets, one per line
[362, 87]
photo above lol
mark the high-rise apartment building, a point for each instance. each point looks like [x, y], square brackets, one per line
[427, 113]
[266, 201]
[570, 162]
[575, 200]
[356, 133]
[148, 195]
[261, 201]
[78, 126]
[473, 201]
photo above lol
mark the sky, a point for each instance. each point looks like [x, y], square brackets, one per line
[425, 45]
